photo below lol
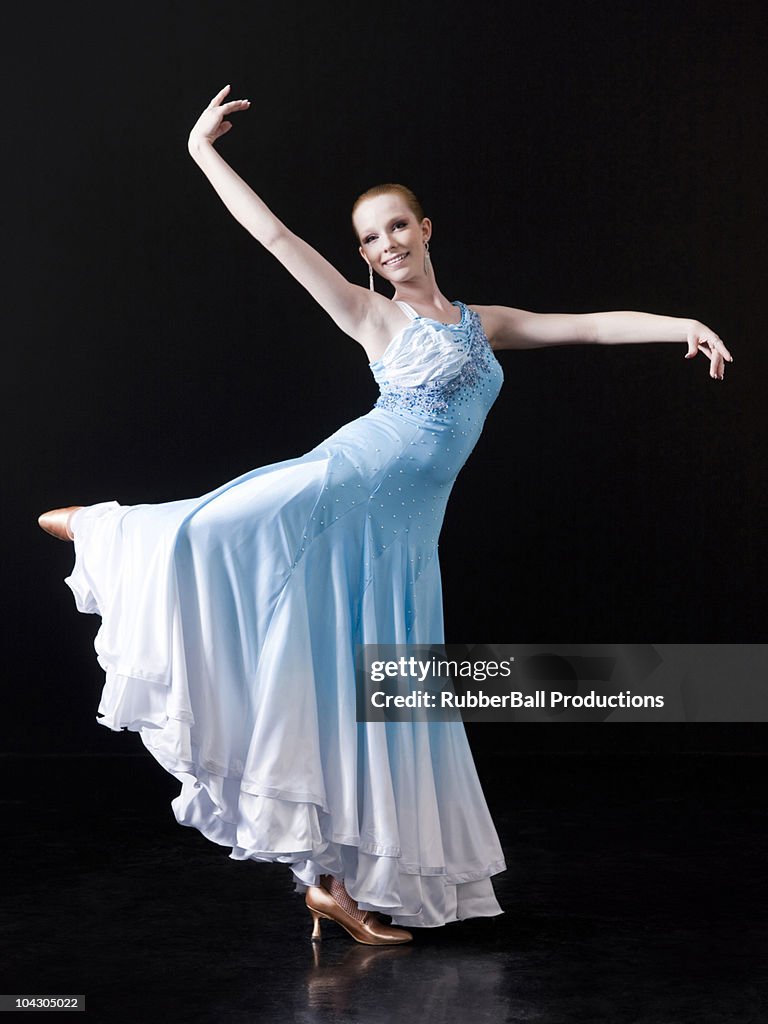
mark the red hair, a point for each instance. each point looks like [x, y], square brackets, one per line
[382, 190]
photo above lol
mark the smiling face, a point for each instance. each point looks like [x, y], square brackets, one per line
[391, 238]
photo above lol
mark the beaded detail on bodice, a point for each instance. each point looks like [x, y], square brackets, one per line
[434, 371]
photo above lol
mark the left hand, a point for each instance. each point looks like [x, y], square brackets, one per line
[702, 339]
[211, 125]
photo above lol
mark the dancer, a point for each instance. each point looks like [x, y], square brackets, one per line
[230, 621]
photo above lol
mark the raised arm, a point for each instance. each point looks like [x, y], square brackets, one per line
[506, 327]
[350, 306]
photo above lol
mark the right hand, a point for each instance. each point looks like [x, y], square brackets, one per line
[211, 124]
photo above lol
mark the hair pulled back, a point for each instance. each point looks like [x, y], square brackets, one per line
[382, 190]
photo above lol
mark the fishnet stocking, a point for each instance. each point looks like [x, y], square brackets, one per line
[336, 888]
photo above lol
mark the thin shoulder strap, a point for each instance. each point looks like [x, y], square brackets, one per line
[407, 309]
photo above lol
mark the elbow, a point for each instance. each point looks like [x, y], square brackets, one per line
[588, 332]
[271, 236]
[273, 239]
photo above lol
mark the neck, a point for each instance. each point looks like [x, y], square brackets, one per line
[423, 293]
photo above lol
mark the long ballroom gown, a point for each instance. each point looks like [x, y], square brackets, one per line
[229, 629]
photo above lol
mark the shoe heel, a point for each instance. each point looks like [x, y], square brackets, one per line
[316, 933]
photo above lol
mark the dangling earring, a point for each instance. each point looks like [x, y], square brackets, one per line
[426, 258]
[370, 278]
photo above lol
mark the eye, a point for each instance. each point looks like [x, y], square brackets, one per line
[368, 239]
[401, 224]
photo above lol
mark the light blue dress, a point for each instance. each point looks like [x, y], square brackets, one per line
[229, 631]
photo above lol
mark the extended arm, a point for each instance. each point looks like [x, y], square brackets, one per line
[519, 328]
[347, 304]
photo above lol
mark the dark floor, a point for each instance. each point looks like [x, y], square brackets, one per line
[636, 892]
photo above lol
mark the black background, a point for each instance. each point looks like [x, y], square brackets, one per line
[572, 157]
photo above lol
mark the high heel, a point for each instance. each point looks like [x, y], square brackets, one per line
[370, 931]
[56, 522]
[316, 933]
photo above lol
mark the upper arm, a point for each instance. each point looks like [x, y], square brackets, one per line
[349, 305]
[506, 327]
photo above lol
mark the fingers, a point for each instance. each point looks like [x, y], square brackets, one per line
[219, 96]
[717, 367]
[234, 105]
[697, 346]
[719, 354]
[723, 350]
[716, 364]
[227, 108]
[714, 355]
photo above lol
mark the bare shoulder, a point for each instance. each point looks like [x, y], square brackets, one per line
[383, 321]
[491, 321]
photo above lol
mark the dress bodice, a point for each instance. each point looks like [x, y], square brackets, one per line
[437, 372]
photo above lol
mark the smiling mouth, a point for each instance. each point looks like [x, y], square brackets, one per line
[395, 260]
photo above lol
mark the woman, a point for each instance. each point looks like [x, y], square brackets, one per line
[230, 621]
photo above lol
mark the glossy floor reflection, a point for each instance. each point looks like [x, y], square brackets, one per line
[636, 892]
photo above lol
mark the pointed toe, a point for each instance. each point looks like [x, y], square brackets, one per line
[56, 522]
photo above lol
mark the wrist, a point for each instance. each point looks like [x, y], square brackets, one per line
[197, 144]
[690, 327]
[674, 329]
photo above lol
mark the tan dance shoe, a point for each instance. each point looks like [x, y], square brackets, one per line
[56, 522]
[370, 931]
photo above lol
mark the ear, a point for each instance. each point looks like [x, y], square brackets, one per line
[365, 258]
[426, 229]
